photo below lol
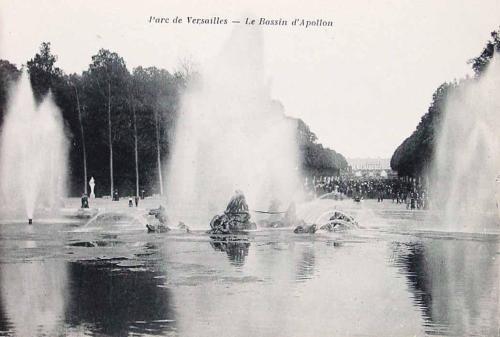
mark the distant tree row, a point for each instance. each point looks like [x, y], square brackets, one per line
[316, 159]
[120, 123]
[413, 157]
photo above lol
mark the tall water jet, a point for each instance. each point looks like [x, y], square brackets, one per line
[231, 136]
[33, 153]
[467, 158]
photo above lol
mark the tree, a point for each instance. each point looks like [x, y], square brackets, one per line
[134, 98]
[128, 120]
[304, 133]
[45, 76]
[8, 75]
[479, 63]
[136, 151]
[159, 92]
[316, 159]
[75, 82]
[43, 72]
[413, 157]
[130, 130]
[106, 80]
[415, 154]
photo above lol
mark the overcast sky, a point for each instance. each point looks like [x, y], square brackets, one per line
[361, 85]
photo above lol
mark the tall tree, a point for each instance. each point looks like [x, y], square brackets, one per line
[415, 154]
[110, 140]
[107, 79]
[45, 76]
[43, 72]
[159, 95]
[134, 97]
[74, 81]
[136, 151]
[316, 159]
[8, 74]
[492, 46]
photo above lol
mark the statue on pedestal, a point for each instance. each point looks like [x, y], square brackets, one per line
[92, 185]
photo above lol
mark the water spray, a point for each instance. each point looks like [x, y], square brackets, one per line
[466, 162]
[32, 167]
[237, 135]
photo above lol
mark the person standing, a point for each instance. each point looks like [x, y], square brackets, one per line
[116, 197]
[85, 201]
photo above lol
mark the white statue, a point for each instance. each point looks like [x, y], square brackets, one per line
[92, 185]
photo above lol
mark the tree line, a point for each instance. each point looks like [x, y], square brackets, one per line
[413, 157]
[316, 159]
[120, 123]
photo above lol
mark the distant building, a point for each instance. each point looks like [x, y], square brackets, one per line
[369, 163]
[371, 167]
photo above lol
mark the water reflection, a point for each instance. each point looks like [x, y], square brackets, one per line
[455, 283]
[292, 286]
[115, 301]
[4, 324]
[285, 285]
[33, 297]
[235, 248]
[305, 265]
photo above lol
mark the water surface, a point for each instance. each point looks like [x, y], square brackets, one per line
[398, 275]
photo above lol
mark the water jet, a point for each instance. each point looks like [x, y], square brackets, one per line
[231, 135]
[33, 153]
[466, 162]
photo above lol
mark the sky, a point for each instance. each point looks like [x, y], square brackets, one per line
[362, 85]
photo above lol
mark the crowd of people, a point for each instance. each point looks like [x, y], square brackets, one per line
[410, 192]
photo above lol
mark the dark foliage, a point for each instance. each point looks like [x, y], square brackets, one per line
[141, 105]
[415, 154]
[8, 74]
[316, 159]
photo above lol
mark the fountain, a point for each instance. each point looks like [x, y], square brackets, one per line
[33, 154]
[231, 136]
[467, 158]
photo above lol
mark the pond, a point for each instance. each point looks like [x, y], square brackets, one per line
[398, 275]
